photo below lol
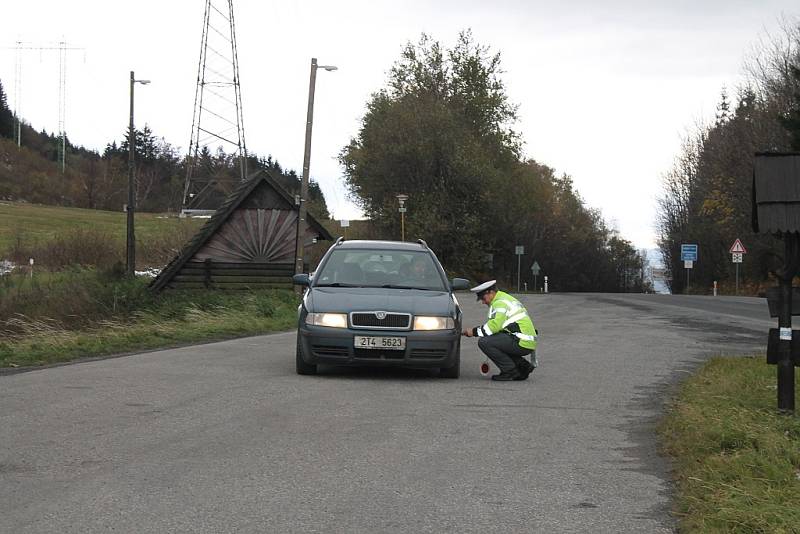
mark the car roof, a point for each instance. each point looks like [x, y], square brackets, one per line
[381, 245]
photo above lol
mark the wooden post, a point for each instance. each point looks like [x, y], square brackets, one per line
[207, 273]
[785, 363]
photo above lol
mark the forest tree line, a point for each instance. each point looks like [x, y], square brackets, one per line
[707, 197]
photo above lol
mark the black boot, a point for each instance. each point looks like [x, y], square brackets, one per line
[506, 376]
[524, 368]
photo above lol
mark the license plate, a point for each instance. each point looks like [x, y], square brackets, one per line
[381, 343]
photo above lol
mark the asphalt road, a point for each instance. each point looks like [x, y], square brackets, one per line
[227, 438]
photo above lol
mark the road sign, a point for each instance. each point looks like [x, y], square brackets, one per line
[738, 248]
[688, 253]
[519, 250]
[535, 269]
[737, 257]
[688, 264]
[345, 223]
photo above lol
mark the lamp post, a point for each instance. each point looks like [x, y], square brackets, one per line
[301, 215]
[401, 198]
[130, 263]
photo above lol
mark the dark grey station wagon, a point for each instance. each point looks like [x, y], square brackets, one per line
[379, 303]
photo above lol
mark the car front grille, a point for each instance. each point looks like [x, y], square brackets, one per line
[376, 319]
[428, 353]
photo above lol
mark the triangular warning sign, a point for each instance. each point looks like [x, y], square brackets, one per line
[738, 248]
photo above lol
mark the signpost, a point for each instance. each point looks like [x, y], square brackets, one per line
[345, 224]
[519, 251]
[737, 253]
[535, 270]
[776, 210]
[689, 256]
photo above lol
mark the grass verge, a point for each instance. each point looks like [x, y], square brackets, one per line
[83, 314]
[737, 461]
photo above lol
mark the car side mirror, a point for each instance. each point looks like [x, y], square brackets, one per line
[301, 279]
[459, 283]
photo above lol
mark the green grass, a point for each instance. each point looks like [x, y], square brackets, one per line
[82, 313]
[46, 343]
[737, 461]
[37, 223]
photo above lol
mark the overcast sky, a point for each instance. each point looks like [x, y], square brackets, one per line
[606, 90]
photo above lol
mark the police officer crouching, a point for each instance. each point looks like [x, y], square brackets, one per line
[508, 335]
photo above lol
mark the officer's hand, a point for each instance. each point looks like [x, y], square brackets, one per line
[467, 333]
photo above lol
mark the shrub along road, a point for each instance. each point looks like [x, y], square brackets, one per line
[226, 437]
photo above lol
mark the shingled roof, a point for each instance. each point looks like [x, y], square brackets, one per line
[776, 192]
[260, 191]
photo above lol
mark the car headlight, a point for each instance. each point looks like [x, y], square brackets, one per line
[332, 320]
[423, 322]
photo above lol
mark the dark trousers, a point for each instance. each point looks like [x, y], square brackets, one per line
[504, 350]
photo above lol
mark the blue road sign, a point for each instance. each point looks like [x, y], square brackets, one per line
[688, 252]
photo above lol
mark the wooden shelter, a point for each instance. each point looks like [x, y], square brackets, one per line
[249, 242]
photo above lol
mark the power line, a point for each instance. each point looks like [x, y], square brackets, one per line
[62, 90]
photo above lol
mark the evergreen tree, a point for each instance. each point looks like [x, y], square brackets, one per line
[723, 108]
[6, 116]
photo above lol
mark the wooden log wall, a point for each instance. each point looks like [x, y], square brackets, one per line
[227, 275]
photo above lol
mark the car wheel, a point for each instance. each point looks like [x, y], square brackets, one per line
[454, 370]
[303, 368]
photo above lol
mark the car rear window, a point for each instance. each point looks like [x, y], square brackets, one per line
[379, 268]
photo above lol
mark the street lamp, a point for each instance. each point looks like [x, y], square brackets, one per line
[301, 216]
[130, 264]
[401, 198]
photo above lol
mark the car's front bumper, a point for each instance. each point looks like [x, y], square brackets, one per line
[335, 346]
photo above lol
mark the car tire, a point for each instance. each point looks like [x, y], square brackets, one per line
[303, 368]
[454, 370]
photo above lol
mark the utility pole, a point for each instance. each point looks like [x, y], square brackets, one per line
[302, 211]
[130, 264]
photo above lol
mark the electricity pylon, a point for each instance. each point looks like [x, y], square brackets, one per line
[217, 121]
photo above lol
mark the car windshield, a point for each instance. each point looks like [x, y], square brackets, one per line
[400, 269]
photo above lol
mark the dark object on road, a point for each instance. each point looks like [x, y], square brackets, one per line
[776, 210]
[379, 303]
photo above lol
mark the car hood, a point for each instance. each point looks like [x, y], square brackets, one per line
[349, 299]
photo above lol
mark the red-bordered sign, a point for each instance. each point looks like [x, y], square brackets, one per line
[738, 248]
